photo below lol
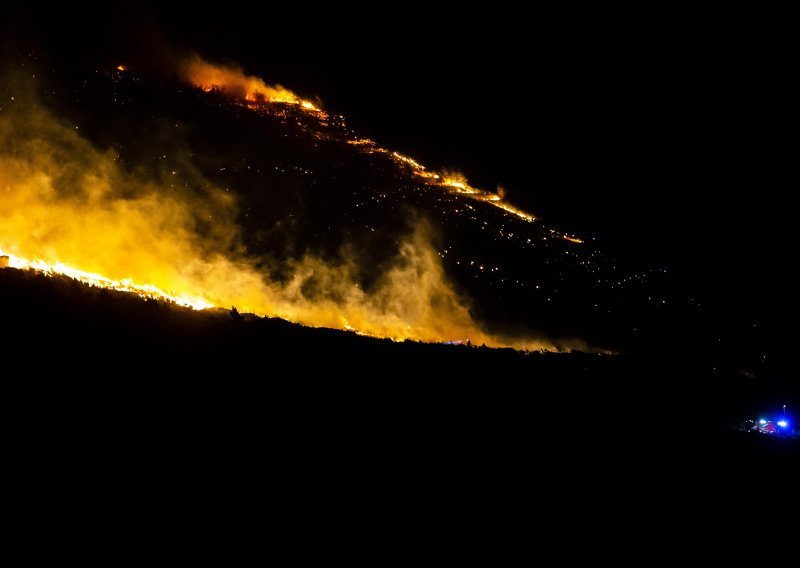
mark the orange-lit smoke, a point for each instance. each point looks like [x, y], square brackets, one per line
[65, 201]
[236, 83]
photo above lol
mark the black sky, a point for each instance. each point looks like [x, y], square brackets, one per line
[668, 135]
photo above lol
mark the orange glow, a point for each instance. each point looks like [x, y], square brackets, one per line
[121, 68]
[361, 142]
[234, 82]
[514, 211]
[99, 281]
[406, 160]
[69, 208]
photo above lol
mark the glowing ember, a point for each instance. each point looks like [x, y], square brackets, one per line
[361, 142]
[406, 160]
[513, 210]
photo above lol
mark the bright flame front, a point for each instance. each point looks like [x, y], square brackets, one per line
[100, 281]
[235, 82]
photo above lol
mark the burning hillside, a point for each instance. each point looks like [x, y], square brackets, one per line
[236, 193]
[258, 96]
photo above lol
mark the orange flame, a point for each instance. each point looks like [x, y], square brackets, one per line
[70, 209]
[233, 81]
[99, 281]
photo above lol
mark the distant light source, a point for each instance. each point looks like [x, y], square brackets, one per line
[762, 422]
[782, 423]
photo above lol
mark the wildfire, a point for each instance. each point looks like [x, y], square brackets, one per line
[459, 184]
[99, 281]
[513, 210]
[361, 142]
[234, 81]
[451, 181]
[411, 162]
[68, 204]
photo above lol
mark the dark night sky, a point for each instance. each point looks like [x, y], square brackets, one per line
[668, 135]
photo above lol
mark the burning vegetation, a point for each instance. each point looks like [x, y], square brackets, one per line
[75, 209]
[256, 93]
[234, 82]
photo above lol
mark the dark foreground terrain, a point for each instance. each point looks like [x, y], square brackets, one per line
[124, 370]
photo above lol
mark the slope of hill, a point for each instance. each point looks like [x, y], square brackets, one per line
[114, 353]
